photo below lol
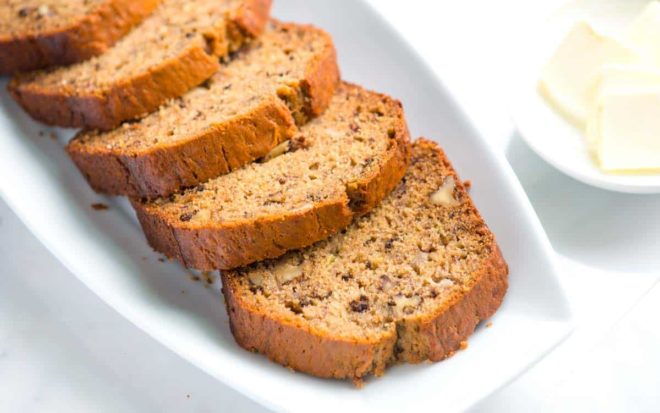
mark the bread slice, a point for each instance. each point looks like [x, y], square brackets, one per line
[406, 283]
[174, 49]
[339, 165]
[239, 115]
[35, 34]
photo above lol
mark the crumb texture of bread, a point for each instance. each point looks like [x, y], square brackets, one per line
[408, 282]
[174, 49]
[338, 166]
[252, 104]
[35, 34]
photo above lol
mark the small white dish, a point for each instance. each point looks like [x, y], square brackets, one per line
[108, 253]
[549, 134]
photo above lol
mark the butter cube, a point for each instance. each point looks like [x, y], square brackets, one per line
[623, 130]
[626, 77]
[568, 81]
[644, 33]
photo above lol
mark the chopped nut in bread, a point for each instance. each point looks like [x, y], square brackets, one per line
[445, 194]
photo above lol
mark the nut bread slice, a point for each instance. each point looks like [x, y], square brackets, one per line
[173, 50]
[35, 34]
[338, 166]
[240, 114]
[406, 283]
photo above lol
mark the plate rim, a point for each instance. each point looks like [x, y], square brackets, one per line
[565, 325]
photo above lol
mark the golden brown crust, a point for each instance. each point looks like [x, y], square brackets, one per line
[315, 91]
[249, 21]
[293, 345]
[366, 193]
[438, 337]
[144, 93]
[164, 169]
[446, 331]
[230, 245]
[433, 336]
[82, 38]
[321, 77]
[233, 244]
[132, 98]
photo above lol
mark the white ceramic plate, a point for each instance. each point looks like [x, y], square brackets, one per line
[545, 131]
[107, 252]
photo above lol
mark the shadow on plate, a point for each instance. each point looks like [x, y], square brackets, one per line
[600, 228]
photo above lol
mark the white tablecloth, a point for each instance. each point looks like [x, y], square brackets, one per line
[62, 349]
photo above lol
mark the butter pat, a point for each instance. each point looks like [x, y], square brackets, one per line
[626, 78]
[568, 81]
[623, 130]
[644, 33]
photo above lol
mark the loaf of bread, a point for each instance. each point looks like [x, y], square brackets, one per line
[173, 50]
[250, 106]
[408, 282]
[340, 165]
[35, 34]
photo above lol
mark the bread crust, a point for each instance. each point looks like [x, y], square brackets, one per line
[302, 349]
[297, 346]
[163, 169]
[82, 38]
[433, 336]
[321, 79]
[233, 244]
[136, 96]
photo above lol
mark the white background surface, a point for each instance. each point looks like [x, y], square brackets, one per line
[62, 349]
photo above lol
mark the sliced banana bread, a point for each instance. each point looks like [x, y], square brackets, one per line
[339, 165]
[174, 49]
[239, 115]
[39, 33]
[406, 283]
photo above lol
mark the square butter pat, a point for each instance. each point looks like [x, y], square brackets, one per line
[613, 78]
[568, 80]
[624, 126]
[644, 33]
[617, 80]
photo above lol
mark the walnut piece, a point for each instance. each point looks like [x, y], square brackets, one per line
[256, 279]
[406, 305]
[285, 273]
[445, 283]
[43, 10]
[280, 149]
[419, 261]
[445, 194]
